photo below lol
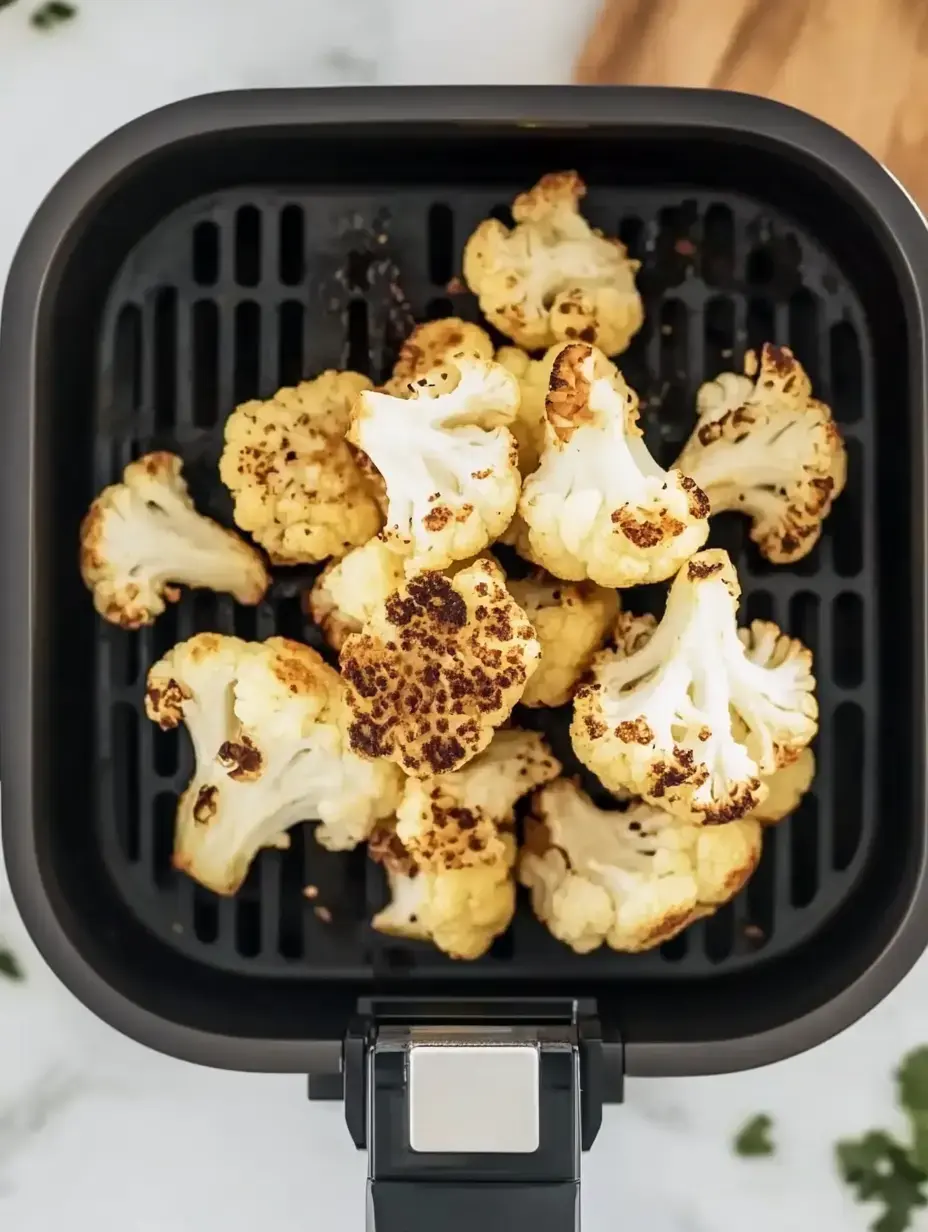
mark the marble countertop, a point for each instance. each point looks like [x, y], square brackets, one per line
[97, 1133]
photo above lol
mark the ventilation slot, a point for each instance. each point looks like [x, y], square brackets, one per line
[292, 901]
[438, 308]
[844, 521]
[759, 895]
[503, 214]
[205, 254]
[290, 343]
[719, 338]
[676, 418]
[205, 916]
[675, 951]
[758, 605]
[247, 351]
[245, 622]
[847, 735]
[205, 363]
[442, 256]
[124, 743]
[165, 365]
[358, 337]
[248, 926]
[718, 247]
[292, 257]
[847, 376]
[163, 814]
[719, 934]
[124, 656]
[760, 323]
[674, 248]
[631, 233]
[803, 619]
[248, 246]
[804, 871]
[804, 335]
[127, 364]
[205, 610]
[848, 641]
[162, 636]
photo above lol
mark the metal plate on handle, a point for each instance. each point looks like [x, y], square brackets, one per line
[474, 1099]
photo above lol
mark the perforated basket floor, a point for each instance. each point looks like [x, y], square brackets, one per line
[240, 293]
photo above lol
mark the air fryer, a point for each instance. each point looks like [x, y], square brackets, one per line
[217, 249]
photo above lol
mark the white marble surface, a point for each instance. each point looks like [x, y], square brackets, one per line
[99, 1135]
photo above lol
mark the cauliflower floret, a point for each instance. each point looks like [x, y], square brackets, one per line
[571, 621]
[599, 506]
[553, 278]
[448, 462]
[765, 447]
[431, 345]
[295, 483]
[267, 722]
[450, 854]
[438, 667]
[785, 789]
[460, 910]
[658, 718]
[143, 534]
[631, 879]
[347, 591]
[533, 376]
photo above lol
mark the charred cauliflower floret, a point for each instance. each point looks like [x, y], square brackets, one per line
[433, 344]
[450, 853]
[553, 278]
[448, 460]
[347, 591]
[533, 376]
[631, 879]
[765, 447]
[268, 725]
[142, 538]
[658, 714]
[571, 622]
[295, 483]
[437, 668]
[599, 506]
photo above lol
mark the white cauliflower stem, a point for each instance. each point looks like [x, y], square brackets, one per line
[553, 278]
[143, 537]
[599, 506]
[450, 853]
[296, 485]
[438, 667]
[267, 722]
[448, 461]
[659, 714]
[631, 879]
[765, 447]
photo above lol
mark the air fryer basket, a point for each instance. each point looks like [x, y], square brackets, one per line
[215, 250]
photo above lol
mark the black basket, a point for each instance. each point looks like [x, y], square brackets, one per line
[220, 248]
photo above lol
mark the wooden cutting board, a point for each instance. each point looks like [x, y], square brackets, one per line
[862, 65]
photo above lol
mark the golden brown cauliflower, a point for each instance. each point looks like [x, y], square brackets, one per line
[571, 621]
[765, 447]
[786, 788]
[447, 458]
[437, 668]
[658, 714]
[347, 591]
[142, 538]
[599, 506]
[450, 853]
[431, 345]
[533, 376]
[295, 483]
[553, 278]
[267, 721]
[631, 879]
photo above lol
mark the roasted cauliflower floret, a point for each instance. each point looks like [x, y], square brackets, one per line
[447, 458]
[766, 448]
[142, 538]
[437, 668]
[347, 591]
[431, 345]
[658, 715]
[631, 879]
[450, 854]
[295, 483]
[599, 506]
[786, 788]
[553, 278]
[571, 622]
[268, 726]
[533, 376]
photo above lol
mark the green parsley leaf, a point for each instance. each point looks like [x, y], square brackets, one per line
[5, 4]
[880, 1170]
[912, 1083]
[753, 1138]
[52, 14]
[10, 967]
